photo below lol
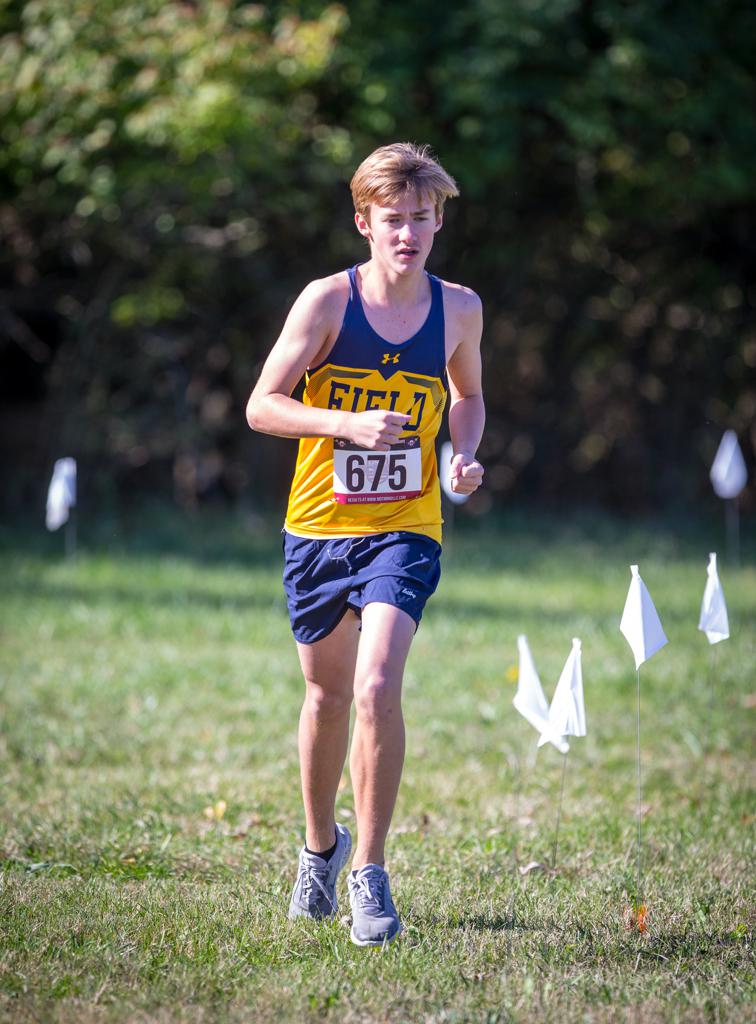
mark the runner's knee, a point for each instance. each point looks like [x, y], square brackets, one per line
[377, 697]
[326, 704]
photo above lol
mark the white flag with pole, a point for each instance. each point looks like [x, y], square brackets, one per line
[566, 718]
[713, 620]
[61, 498]
[714, 623]
[642, 628]
[61, 494]
[728, 477]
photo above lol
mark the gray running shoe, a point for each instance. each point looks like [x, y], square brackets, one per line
[374, 916]
[314, 893]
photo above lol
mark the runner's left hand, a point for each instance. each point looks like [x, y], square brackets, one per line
[466, 473]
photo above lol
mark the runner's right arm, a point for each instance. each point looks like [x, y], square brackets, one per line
[306, 335]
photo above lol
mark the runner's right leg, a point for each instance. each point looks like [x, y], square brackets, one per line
[328, 667]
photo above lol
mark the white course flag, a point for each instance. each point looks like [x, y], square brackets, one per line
[567, 711]
[444, 474]
[640, 623]
[728, 472]
[61, 494]
[713, 621]
[530, 699]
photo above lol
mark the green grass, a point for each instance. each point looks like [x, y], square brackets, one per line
[145, 682]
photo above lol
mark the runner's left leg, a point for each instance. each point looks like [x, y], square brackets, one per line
[377, 754]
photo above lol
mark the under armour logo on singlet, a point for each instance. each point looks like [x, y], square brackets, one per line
[388, 358]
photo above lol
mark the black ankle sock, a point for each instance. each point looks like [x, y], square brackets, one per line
[325, 855]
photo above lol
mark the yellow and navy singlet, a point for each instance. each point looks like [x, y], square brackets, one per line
[342, 490]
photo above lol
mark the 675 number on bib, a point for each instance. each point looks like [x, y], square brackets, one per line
[361, 476]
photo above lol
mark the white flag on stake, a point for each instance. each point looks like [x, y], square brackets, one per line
[530, 700]
[444, 473]
[728, 472]
[640, 622]
[713, 621]
[567, 711]
[61, 494]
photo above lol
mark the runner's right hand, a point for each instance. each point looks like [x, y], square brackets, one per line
[377, 429]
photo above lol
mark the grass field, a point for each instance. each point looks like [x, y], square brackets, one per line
[151, 816]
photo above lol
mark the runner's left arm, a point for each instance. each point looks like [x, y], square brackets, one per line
[466, 412]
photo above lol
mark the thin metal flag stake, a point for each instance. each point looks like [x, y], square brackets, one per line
[524, 757]
[638, 899]
[518, 790]
[515, 853]
[732, 517]
[70, 536]
[521, 757]
[711, 687]
[559, 813]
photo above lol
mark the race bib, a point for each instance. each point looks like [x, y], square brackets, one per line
[361, 476]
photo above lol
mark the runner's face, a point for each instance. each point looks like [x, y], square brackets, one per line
[401, 235]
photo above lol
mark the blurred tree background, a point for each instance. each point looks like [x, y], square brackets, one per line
[172, 174]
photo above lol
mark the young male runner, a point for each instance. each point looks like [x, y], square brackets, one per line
[379, 346]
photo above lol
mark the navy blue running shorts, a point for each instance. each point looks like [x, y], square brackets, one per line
[324, 578]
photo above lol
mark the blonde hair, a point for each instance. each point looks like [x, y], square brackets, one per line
[392, 172]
